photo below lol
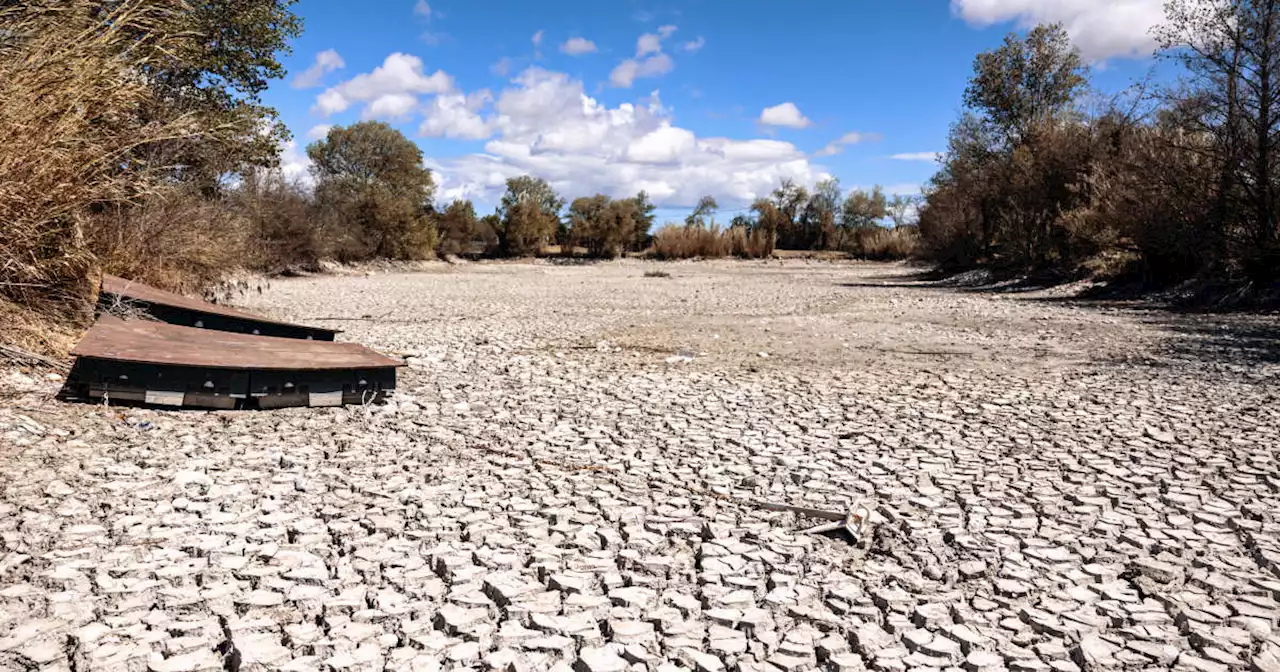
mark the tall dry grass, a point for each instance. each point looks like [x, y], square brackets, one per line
[882, 244]
[707, 242]
[72, 126]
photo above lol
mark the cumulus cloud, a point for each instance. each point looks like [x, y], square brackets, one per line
[502, 68]
[422, 9]
[546, 125]
[319, 131]
[852, 138]
[575, 46]
[693, 46]
[1102, 29]
[391, 107]
[632, 69]
[457, 116]
[325, 62]
[385, 90]
[295, 164]
[649, 60]
[537, 38]
[786, 114]
[930, 157]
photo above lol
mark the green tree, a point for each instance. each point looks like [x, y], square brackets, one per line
[371, 181]
[1027, 82]
[645, 218]
[530, 214]
[789, 200]
[703, 214]
[820, 215]
[863, 209]
[457, 227]
[602, 225]
[229, 54]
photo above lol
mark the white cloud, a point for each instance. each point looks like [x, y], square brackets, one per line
[1102, 29]
[644, 65]
[399, 77]
[852, 138]
[326, 61]
[632, 69]
[537, 38]
[502, 68]
[649, 43]
[786, 114]
[391, 107]
[319, 131]
[422, 9]
[294, 164]
[457, 116]
[545, 124]
[693, 46]
[930, 157]
[578, 45]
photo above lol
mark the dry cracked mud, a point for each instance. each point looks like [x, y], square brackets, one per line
[565, 481]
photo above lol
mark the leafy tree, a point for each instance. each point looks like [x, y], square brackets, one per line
[863, 209]
[704, 213]
[820, 214]
[370, 178]
[216, 74]
[602, 225]
[530, 214]
[457, 226]
[645, 219]
[790, 199]
[1027, 82]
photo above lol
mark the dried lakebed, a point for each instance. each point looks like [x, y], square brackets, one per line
[563, 482]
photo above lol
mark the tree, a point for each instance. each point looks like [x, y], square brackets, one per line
[769, 220]
[216, 75]
[457, 228]
[602, 225]
[370, 177]
[530, 214]
[1231, 50]
[644, 219]
[703, 213]
[789, 200]
[900, 209]
[1027, 81]
[819, 219]
[863, 209]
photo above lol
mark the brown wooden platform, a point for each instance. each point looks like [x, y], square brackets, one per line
[186, 311]
[160, 363]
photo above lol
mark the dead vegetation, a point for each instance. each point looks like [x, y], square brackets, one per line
[72, 112]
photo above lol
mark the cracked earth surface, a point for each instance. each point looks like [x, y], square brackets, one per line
[565, 481]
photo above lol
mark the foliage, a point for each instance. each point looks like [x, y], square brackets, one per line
[227, 56]
[375, 192]
[530, 214]
[604, 226]
[1189, 187]
[457, 227]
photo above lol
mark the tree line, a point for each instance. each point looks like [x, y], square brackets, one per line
[373, 199]
[1165, 183]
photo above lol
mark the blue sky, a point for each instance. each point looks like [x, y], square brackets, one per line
[681, 99]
